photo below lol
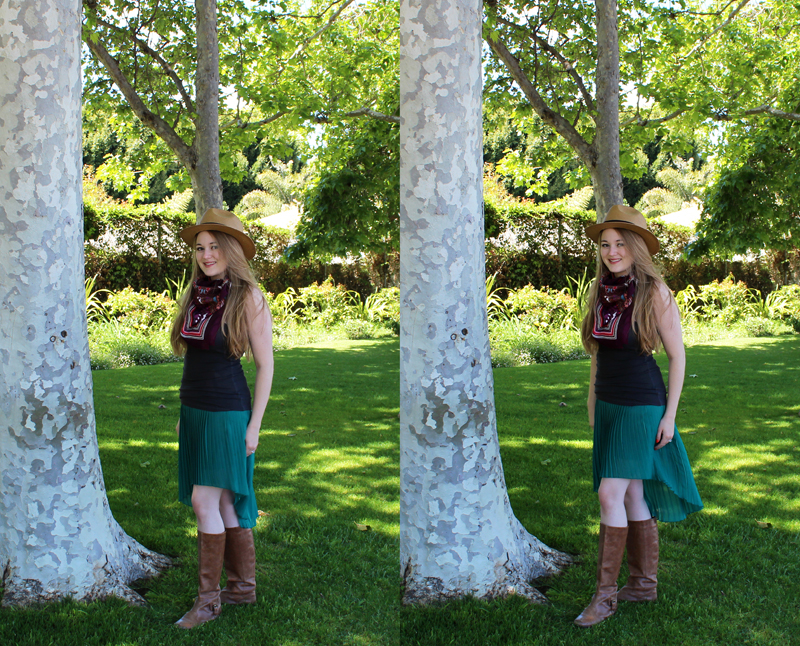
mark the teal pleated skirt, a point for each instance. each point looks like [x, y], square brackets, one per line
[212, 453]
[624, 447]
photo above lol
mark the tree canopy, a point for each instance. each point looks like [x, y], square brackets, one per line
[684, 68]
[282, 63]
[688, 70]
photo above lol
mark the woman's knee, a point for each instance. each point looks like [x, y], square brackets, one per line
[203, 502]
[611, 495]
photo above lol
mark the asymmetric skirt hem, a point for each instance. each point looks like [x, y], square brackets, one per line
[212, 453]
[624, 447]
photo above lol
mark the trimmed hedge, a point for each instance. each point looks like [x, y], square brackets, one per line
[526, 244]
[541, 245]
[139, 247]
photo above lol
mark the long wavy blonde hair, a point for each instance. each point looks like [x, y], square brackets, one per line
[648, 282]
[234, 316]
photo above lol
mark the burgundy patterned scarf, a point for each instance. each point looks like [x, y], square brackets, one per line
[616, 296]
[204, 314]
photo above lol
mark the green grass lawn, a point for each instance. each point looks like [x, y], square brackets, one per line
[328, 460]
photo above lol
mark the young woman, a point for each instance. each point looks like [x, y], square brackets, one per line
[641, 471]
[222, 316]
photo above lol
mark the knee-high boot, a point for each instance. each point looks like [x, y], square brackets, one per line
[642, 561]
[604, 601]
[240, 564]
[210, 551]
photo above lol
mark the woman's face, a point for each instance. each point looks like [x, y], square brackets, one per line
[616, 256]
[209, 256]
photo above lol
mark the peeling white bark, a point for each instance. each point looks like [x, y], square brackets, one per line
[57, 535]
[458, 534]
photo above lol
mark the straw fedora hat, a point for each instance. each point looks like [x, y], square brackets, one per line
[224, 222]
[625, 217]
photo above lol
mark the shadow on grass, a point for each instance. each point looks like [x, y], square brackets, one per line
[326, 467]
[328, 459]
[728, 575]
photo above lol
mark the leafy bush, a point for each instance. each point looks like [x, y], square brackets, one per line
[518, 343]
[95, 306]
[760, 326]
[728, 300]
[324, 303]
[546, 309]
[731, 301]
[381, 307]
[113, 344]
[143, 311]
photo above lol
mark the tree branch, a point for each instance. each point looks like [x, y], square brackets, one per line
[301, 48]
[719, 27]
[361, 112]
[160, 127]
[187, 99]
[637, 119]
[240, 123]
[374, 114]
[568, 67]
[563, 127]
[768, 109]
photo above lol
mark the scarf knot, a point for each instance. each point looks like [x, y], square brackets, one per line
[614, 298]
[204, 314]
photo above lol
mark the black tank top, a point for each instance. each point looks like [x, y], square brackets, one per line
[627, 377]
[213, 380]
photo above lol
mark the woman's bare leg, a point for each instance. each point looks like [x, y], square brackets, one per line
[612, 501]
[206, 505]
[227, 510]
[635, 506]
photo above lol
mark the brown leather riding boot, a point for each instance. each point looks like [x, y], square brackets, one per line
[240, 564]
[609, 559]
[210, 551]
[642, 561]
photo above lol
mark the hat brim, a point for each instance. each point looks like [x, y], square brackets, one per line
[593, 233]
[248, 246]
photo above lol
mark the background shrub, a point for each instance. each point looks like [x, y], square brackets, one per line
[143, 310]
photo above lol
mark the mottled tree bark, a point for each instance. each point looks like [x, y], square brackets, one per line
[458, 534]
[57, 535]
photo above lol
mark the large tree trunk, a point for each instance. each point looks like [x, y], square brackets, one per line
[606, 175]
[57, 535]
[458, 534]
[206, 178]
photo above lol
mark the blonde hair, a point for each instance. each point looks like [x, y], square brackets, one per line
[648, 282]
[234, 316]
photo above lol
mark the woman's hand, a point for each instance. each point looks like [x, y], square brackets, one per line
[178, 428]
[666, 430]
[251, 439]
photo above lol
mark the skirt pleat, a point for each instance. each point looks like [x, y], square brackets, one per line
[212, 453]
[624, 447]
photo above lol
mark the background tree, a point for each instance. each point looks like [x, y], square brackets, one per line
[458, 534]
[753, 202]
[57, 535]
[274, 61]
[684, 66]
[352, 202]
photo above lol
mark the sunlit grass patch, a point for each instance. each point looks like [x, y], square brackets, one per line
[327, 480]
